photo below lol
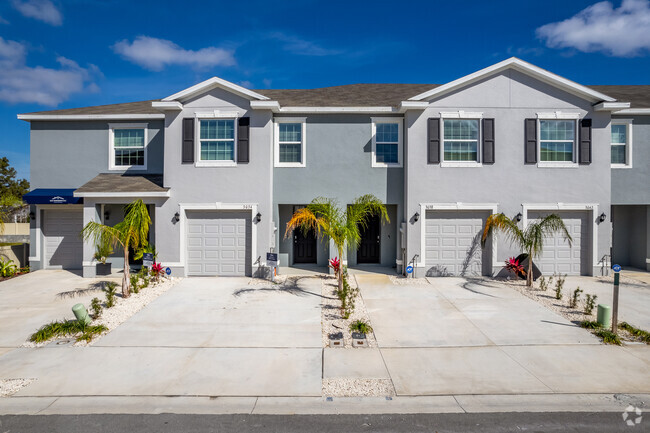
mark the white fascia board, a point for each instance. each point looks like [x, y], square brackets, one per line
[611, 106]
[338, 110]
[412, 105]
[634, 111]
[30, 117]
[122, 194]
[167, 105]
[526, 68]
[274, 106]
[215, 82]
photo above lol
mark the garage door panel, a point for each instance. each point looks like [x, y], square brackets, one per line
[452, 242]
[63, 247]
[558, 256]
[222, 245]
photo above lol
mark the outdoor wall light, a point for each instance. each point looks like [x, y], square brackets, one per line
[602, 217]
[32, 215]
[518, 217]
[177, 217]
[258, 217]
[107, 214]
[416, 217]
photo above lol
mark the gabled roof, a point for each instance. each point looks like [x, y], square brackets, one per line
[212, 83]
[123, 185]
[637, 95]
[521, 66]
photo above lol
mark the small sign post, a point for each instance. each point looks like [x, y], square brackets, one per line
[168, 271]
[617, 270]
[409, 269]
[272, 262]
[147, 260]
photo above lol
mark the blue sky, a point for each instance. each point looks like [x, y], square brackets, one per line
[71, 53]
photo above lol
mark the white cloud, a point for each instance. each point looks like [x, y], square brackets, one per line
[302, 47]
[20, 83]
[155, 54]
[42, 10]
[267, 82]
[3, 21]
[621, 32]
[247, 84]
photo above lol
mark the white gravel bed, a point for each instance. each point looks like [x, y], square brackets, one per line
[346, 387]
[331, 319]
[403, 281]
[9, 387]
[121, 311]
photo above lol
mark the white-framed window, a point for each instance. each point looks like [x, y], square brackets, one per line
[127, 147]
[387, 142]
[557, 135]
[461, 139]
[621, 133]
[290, 142]
[216, 141]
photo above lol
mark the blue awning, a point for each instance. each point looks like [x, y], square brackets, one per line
[52, 196]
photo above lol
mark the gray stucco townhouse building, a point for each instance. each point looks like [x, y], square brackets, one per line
[222, 168]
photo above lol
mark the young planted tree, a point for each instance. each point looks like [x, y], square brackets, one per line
[132, 232]
[341, 225]
[531, 239]
[8, 203]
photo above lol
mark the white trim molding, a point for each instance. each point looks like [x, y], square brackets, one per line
[276, 141]
[611, 106]
[167, 105]
[400, 141]
[183, 207]
[274, 106]
[30, 117]
[558, 115]
[593, 207]
[111, 145]
[521, 66]
[628, 142]
[468, 115]
[210, 84]
[634, 111]
[424, 207]
[215, 114]
[460, 114]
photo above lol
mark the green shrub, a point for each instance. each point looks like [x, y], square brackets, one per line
[134, 283]
[67, 328]
[559, 285]
[346, 296]
[639, 333]
[573, 302]
[360, 326]
[7, 268]
[608, 336]
[590, 303]
[110, 289]
[96, 306]
[542, 284]
[590, 324]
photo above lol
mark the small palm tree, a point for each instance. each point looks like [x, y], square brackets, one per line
[342, 226]
[529, 240]
[132, 232]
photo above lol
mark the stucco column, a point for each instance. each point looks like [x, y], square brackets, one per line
[90, 213]
[647, 248]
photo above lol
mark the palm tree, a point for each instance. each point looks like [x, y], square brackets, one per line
[132, 232]
[342, 226]
[529, 240]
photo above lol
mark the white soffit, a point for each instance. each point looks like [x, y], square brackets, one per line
[212, 83]
[521, 66]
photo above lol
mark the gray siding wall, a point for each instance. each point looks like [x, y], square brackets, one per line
[246, 183]
[630, 237]
[69, 154]
[631, 185]
[339, 166]
[510, 98]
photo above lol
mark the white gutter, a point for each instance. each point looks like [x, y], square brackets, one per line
[29, 117]
[123, 194]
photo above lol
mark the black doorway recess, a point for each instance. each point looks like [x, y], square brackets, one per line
[370, 244]
[304, 246]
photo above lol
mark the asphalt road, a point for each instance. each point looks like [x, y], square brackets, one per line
[492, 422]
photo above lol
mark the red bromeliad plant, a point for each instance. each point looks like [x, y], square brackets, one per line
[336, 265]
[512, 264]
[157, 270]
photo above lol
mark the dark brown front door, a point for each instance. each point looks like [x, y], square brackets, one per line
[370, 242]
[304, 246]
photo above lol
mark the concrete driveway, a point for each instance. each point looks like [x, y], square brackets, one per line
[204, 337]
[458, 336]
[32, 300]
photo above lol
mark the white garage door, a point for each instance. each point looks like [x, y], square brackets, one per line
[453, 243]
[218, 243]
[63, 246]
[557, 256]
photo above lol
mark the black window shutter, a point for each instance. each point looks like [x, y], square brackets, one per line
[585, 141]
[433, 148]
[243, 141]
[188, 140]
[488, 141]
[531, 140]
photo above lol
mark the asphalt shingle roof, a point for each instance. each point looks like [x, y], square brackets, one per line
[351, 95]
[115, 182]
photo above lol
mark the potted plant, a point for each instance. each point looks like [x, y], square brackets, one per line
[103, 250]
[359, 329]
